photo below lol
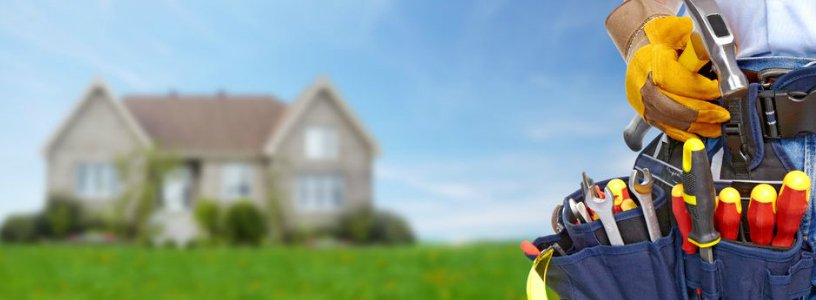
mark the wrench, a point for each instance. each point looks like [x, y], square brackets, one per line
[603, 207]
[643, 191]
[583, 211]
[556, 216]
[577, 212]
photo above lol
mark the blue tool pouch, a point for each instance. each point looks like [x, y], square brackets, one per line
[744, 271]
[592, 269]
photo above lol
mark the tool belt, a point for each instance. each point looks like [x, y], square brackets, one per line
[589, 268]
[781, 104]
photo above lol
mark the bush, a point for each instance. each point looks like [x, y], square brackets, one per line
[356, 225]
[208, 215]
[20, 228]
[367, 226]
[244, 223]
[63, 216]
[389, 228]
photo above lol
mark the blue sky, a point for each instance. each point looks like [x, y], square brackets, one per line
[486, 111]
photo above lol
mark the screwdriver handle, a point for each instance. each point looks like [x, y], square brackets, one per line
[762, 214]
[791, 205]
[682, 218]
[728, 214]
[699, 194]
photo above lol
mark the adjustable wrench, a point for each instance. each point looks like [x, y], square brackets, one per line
[643, 191]
[603, 207]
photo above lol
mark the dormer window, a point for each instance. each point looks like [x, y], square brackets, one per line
[321, 143]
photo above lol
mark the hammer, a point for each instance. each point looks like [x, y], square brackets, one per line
[715, 35]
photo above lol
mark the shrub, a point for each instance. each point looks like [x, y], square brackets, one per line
[367, 226]
[390, 228]
[244, 223]
[356, 225]
[20, 228]
[63, 216]
[208, 215]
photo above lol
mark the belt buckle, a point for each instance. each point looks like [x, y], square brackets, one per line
[787, 113]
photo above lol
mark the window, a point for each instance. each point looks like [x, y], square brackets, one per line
[96, 180]
[319, 192]
[236, 181]
[321, 142]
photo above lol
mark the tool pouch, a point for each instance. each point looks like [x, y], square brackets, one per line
[741, 271]
[592, 269]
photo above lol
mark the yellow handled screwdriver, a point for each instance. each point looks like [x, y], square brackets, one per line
[699, 196]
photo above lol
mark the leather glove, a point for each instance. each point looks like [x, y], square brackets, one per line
[666, 94]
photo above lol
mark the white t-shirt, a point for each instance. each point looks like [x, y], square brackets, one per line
[772, 27]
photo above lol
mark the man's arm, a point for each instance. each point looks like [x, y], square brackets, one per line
[625, 23]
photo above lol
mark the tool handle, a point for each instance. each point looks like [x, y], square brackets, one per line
[728, 214]
[791, 206]
[682, 218]
[699, 194]
[762, 214]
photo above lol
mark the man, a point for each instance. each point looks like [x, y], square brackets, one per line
[772, 36]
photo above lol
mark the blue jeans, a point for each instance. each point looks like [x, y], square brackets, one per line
[799, 152]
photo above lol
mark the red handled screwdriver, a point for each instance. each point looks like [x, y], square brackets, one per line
[682, 218]
[728, 214]
[762, 214]
[791, 205]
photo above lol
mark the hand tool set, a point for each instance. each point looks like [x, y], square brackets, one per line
[686, 243]
[690, 224]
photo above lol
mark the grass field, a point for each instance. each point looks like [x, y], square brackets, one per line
[482, 271]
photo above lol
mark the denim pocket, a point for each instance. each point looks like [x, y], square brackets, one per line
[745, 272]
[644, 270]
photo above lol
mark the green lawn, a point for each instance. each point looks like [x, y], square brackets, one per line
[480, 271]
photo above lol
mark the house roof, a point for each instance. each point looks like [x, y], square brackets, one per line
[207, 124]
[298, 108]
[217, 124]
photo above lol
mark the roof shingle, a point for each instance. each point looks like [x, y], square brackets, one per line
[207, 124]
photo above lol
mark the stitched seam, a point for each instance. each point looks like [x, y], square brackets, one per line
[640, 29]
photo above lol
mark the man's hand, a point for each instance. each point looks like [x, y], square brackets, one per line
[666, 94]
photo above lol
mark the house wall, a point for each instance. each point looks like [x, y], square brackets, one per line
[354, 163]
[98, 133]
[210, 185]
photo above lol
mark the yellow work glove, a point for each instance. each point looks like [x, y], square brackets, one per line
[665, 93]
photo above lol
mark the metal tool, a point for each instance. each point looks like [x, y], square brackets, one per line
[582, 210]
[790, 206]
[587, 184]
[603, 207]
[643, 192]
[575, 212]
[715, 36]
[700, 197]
[556, 216]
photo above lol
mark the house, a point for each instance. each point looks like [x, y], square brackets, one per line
[314, 154]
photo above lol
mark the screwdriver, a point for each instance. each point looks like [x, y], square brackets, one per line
[623, 201]
[699, 196]
[762, 214]
[791, 205]
[682, 218]
[728, 213]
